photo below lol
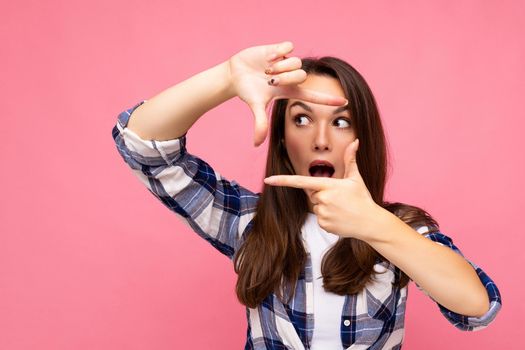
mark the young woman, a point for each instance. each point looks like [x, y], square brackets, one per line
[323, 262]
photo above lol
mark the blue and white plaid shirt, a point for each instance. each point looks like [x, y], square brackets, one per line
[221, 212]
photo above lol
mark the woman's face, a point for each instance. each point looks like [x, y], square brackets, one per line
[316, 135]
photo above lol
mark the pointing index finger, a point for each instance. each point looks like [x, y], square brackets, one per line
[298, 181]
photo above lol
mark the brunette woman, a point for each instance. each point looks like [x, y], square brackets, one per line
[323, 261]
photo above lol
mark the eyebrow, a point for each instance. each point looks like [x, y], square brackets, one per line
[309, 109]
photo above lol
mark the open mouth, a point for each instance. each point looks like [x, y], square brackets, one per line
[321, 170]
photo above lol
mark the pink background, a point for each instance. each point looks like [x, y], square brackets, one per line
[90, 260]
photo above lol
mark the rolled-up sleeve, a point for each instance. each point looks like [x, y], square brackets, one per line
[218, 210]
[462, 322]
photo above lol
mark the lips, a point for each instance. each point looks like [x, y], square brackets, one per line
[321, 168]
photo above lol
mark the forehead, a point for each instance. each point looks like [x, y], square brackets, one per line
[323, 84]
[313, 107]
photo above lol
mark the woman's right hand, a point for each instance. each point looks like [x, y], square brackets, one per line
[250, 79]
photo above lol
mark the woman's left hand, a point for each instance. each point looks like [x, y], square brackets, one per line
[343, 206]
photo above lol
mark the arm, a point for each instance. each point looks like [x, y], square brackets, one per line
[216, 209]
[151, 138]
[466, 295]
[171, 113]
[446, 276]
[345, 207]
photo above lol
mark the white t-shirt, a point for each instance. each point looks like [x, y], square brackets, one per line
[327, 306]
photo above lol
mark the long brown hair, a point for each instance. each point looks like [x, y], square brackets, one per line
[272, 256]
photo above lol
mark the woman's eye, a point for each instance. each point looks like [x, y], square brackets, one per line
[300, 119]
[342, 122]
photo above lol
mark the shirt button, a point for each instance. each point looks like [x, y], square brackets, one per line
[346, 323]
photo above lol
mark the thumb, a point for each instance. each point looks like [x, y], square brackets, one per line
[350, 159]
[261, 123]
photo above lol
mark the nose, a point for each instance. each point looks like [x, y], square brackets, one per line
[321, 140]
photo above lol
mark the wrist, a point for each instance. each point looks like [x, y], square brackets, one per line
[381, 223]
[226, 80]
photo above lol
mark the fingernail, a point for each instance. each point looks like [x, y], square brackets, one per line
[346, 103]
[268, 180]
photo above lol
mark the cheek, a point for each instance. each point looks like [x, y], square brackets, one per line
[295, 148]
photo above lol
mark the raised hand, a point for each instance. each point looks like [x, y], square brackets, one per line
[343, 206]
[262, 73]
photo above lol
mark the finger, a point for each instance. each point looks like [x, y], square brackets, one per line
[279, 50]
[310, 193]
[299, 181]
[286, 65]
[288, 78]
[261, 123]
[316, 97]
[315, 209]
[350, 159]
[314, 197]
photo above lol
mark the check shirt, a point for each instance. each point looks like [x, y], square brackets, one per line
[221, 212]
